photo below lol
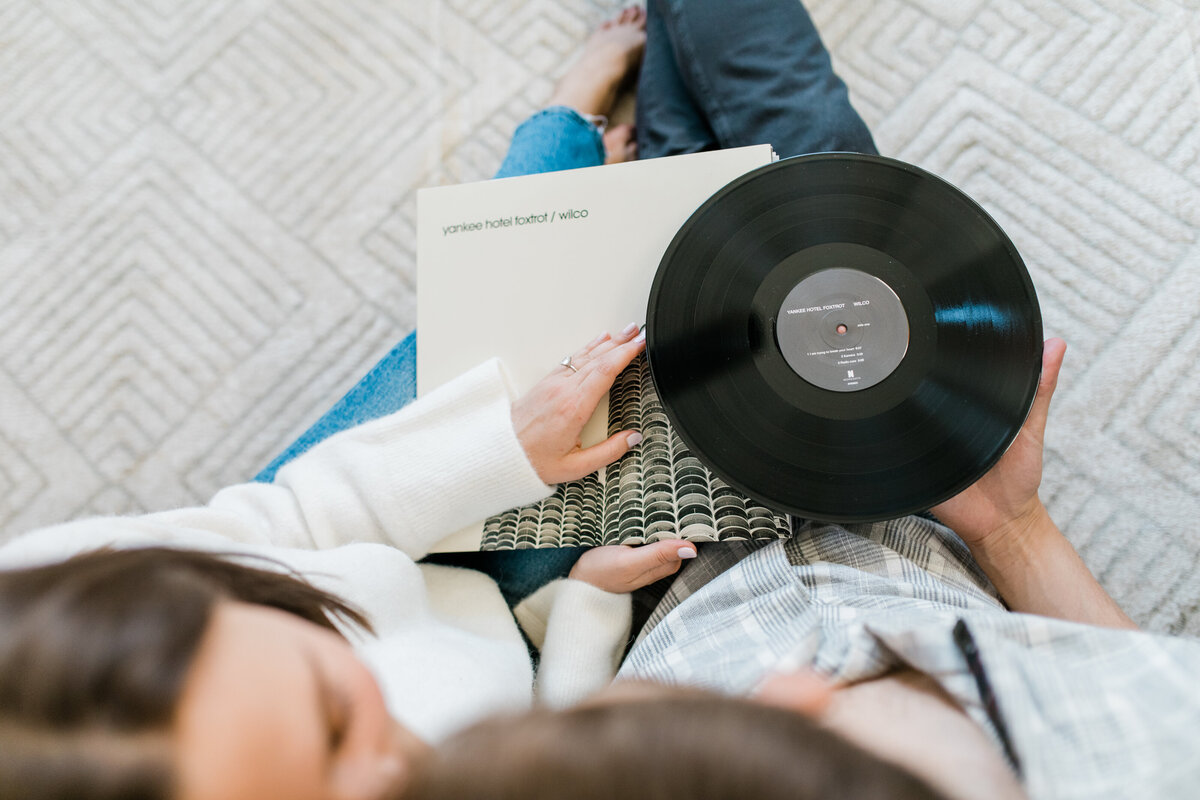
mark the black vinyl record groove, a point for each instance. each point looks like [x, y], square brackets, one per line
[916, 293]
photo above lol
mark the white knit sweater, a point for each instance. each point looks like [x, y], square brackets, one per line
[357, 511]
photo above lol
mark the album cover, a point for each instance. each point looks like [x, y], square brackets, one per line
[530, 268]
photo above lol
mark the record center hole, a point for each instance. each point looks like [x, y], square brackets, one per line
[841, 329]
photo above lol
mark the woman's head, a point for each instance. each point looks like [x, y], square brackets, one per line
[147, 673]
[158, 673]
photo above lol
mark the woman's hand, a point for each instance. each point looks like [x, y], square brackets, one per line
[550, 417]
[1005, 501]
[621, 568]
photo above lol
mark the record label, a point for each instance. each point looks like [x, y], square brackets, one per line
[842, 330]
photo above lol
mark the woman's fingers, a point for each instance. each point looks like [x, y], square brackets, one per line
[587, 349]
[600, 346]
[622, 568]
[603, 369]
[598, 456]
[652, 562]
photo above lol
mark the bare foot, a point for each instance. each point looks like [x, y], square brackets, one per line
[619, 144]
[610, 56]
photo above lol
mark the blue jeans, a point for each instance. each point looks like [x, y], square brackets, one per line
[721, 74]
[551, 140]
[715, 74]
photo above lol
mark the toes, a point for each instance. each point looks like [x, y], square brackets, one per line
[620, 144]
[630, 15]
[618, 135]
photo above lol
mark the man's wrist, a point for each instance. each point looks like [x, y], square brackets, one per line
[1037, 571]
[1019, 541]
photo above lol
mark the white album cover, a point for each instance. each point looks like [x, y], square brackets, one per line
[532, 267]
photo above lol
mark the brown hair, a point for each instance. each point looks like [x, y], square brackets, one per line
[94, 652]
[686, 744]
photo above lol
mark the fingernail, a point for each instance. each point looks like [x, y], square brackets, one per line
[629, 329]
[641, 337]
[603, 335]
[634, 439]
[685, 553]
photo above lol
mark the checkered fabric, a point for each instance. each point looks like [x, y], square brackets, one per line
[1091, 712]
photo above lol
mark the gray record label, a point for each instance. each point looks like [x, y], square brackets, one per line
[842, 330]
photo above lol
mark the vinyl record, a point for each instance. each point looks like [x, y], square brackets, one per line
[844, 337]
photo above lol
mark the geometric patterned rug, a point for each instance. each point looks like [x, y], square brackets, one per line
[207, 226]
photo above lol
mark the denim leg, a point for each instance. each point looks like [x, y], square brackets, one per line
[759, 72]
[668, 120]
[553, 139]
[390, 385]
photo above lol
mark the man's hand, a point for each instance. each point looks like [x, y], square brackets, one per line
[1005, 502]
[550, 417]
[620, 568]
[1011, 535]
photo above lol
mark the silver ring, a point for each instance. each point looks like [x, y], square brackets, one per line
[566, 362]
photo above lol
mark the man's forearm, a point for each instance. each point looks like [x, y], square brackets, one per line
[1037, 571]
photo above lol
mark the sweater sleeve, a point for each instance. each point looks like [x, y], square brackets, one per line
[581, 631]
[413, 477]
[407, 479]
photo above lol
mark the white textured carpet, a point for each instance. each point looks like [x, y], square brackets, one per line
[206, 225]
